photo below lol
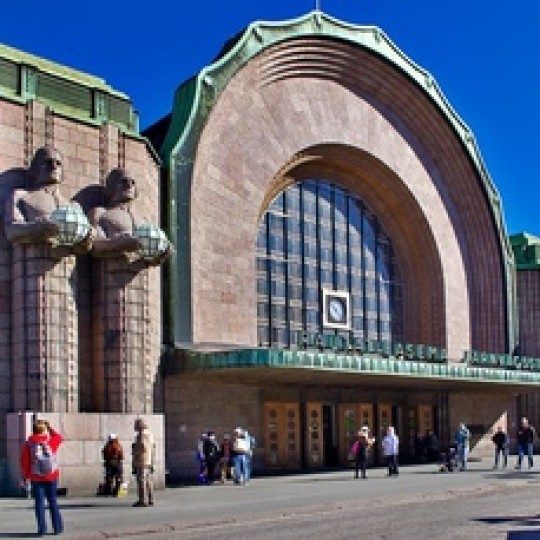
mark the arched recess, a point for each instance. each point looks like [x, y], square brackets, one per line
[252, 132]
[401, 218]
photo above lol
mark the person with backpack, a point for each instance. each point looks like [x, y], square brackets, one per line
[39, 465]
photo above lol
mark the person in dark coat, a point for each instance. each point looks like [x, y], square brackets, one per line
[360, 450]
[211, 456]
[525, 436]
[500, 440]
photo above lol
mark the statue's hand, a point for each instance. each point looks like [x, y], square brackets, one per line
[45, 229]
[85, 245]
[126, 243]
[162, 257]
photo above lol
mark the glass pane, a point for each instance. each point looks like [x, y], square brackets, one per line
[316, 235]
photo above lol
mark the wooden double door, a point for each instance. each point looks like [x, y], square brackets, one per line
[321, 434]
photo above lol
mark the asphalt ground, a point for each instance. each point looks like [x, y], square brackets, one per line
[421, 503]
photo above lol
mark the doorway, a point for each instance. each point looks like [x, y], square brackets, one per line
[330, 439]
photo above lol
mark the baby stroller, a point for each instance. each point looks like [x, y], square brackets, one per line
[448, 460]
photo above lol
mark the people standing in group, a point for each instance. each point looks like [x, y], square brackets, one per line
[211, 456]
[39, 465]
[501, 442]
[525, 438]
[143, 455]
[113, 460]
[360, 450]
[462, 439]
[240, 448]
[390, 447]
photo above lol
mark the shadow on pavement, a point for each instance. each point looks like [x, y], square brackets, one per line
[17, 535]
[521, 521]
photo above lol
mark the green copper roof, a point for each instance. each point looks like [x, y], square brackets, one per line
[69, 92]
[366, 365]
[526, 249]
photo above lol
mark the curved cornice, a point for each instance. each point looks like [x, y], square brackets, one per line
[195, 98]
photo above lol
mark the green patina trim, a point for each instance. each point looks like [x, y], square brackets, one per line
[526, 248]
[64, 72]
[195, 99]
[72, 93]
[368, 365]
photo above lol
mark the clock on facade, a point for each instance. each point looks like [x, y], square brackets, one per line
[336, 309]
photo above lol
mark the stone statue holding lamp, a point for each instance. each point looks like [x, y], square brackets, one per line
[39, 214]
[118, 233]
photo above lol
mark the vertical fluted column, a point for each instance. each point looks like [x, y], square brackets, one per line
[122, 374]
[45, 333]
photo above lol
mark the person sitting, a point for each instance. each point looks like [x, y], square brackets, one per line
[113, 458]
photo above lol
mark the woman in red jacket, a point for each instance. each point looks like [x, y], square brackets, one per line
[40, 466]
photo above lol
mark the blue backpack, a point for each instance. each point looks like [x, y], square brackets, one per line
[43, 460]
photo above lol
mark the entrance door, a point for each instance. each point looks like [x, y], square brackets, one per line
[330, 436]
[425, 419]
[314, 435]
[282, 435]
[384, 417]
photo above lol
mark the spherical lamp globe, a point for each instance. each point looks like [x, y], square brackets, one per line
[74, 225]
[153, 239]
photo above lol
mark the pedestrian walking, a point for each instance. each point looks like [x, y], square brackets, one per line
[390, 446]
[501, 442]
[39, 465]
[525, 437]
[462, 438]
[143, 455]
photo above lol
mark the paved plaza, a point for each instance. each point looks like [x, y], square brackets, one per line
[421, 503]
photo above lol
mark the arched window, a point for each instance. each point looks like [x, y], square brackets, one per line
[317, 237]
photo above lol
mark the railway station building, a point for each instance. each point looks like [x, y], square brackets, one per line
[340, 259]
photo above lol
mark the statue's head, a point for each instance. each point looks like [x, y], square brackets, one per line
[46, 167]
[120, 187]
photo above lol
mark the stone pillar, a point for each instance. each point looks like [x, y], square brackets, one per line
[122, 371]
[45, 333]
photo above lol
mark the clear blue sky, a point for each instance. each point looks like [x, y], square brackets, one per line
[483, 54]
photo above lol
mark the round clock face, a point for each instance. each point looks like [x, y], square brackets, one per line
[336, 310]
